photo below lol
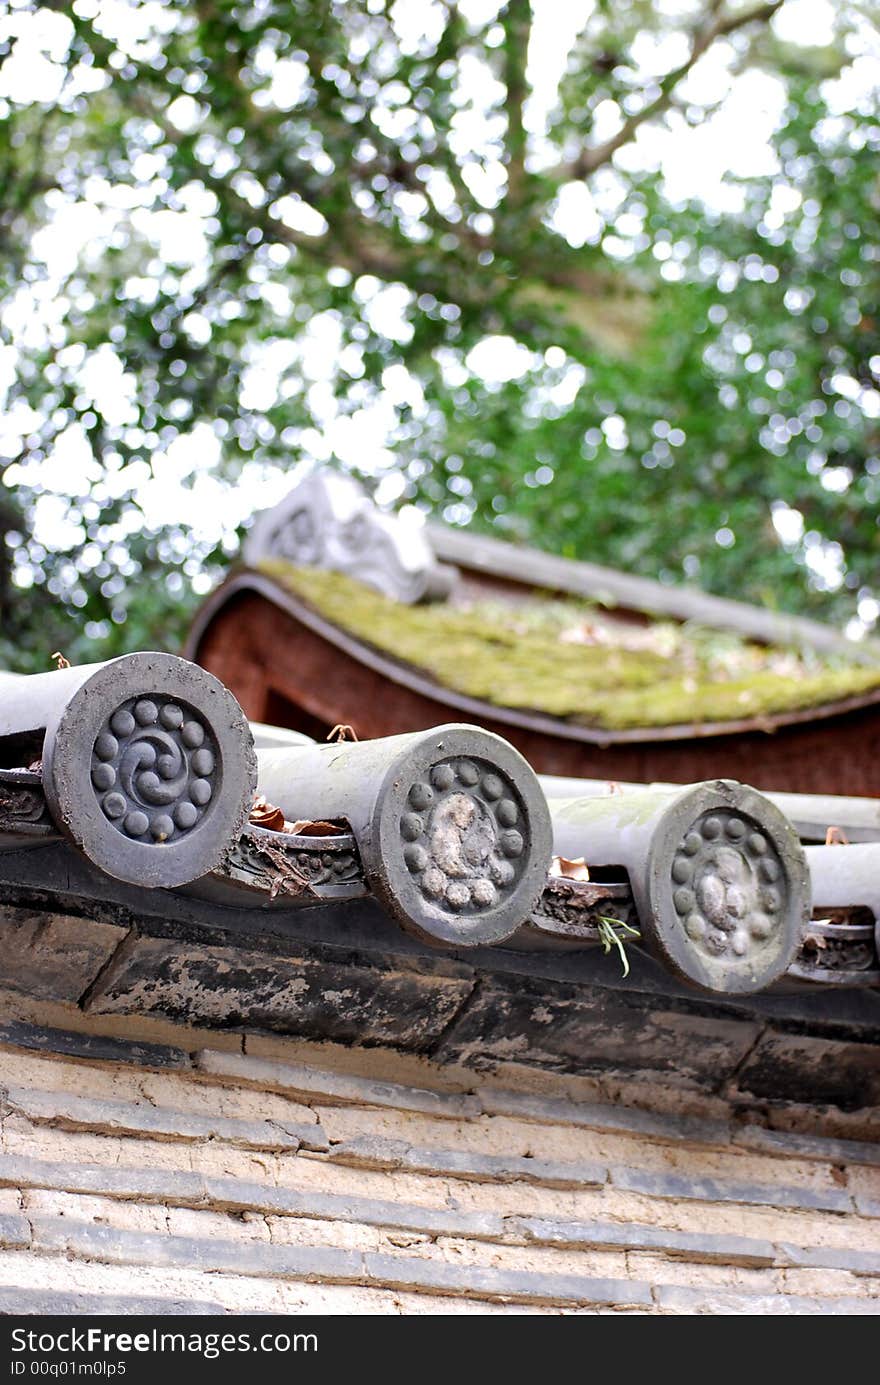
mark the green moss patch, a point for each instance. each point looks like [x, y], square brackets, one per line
[563, 658]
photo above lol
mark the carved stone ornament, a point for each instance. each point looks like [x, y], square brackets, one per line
[462, 840]
[463, 835]
[23, 808]
[285, 865]
[737, 882]
[729, 885]
[153, 768]
[328, 521]
[839, 951]
[451, 825]
[150, 770]
[574, 908]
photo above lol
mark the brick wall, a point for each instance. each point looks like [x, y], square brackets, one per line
[155, 1169]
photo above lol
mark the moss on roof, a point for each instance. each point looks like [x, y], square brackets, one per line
[562, 658]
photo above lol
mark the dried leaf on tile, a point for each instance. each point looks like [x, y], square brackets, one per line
[316, 829]
[265, 814]
[570, 870]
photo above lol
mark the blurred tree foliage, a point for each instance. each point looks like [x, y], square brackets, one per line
[376, 171]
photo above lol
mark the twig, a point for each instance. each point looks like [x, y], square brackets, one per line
[342, 732]
[835, 836]
[719, 27]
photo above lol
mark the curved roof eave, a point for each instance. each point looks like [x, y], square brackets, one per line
[531, 567]
[476, 709]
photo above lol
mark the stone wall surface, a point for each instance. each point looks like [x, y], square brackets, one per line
[146, 1167]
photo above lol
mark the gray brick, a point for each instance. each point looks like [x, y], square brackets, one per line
[120, 1117]
[522, 1286]
[53, 956]
[233, 1194]
[867, 1206]
[40, 1302]
[15, 1231]
[329, 1265]
[595, 1116]
[334, 1088]
[586, 1028]
[823, 1258]
[797, 1146]
[105, 1180]
[678, 1298]
[294, 991]
[373, 1152]
[112, 1246]
[94, 1048]
[687, 1245]
[670, 1185]
[182, 1188]
[810, 1069]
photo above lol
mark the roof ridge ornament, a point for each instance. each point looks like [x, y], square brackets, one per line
[718, 875]
[148, 763]
[451, 824]
[147, 766]
[329, 521]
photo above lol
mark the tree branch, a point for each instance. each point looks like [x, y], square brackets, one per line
[718, 26]
[364, 246]
[516, 19]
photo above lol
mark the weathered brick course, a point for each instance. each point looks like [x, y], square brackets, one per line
[258, 1185]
